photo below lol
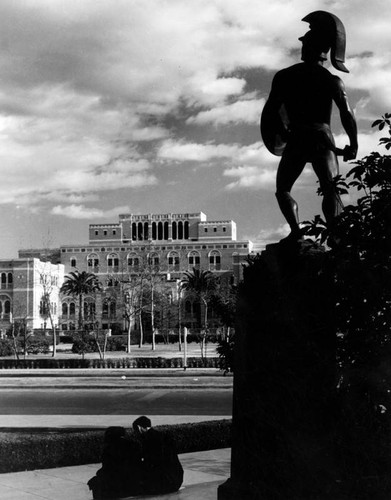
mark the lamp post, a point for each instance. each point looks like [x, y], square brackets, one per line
[178, 282]
[184, 348]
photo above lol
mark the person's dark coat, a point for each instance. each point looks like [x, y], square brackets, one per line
[120, 474]
[162, 470]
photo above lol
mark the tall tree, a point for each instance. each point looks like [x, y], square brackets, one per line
[202, 285]
[48, 275]
[78, 284]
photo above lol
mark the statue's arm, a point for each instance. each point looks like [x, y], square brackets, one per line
[347, 119]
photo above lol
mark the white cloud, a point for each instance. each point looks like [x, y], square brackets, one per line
[82, 212]
[250, 177]
[184, 151]
[242, 111]
[273, 234]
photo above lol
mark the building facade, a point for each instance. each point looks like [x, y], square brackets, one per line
[24, 283]
[163, 245]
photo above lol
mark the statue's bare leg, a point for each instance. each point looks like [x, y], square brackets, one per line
[291, 166]
[326, 168]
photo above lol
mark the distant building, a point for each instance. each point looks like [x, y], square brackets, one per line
[172, 243]
[23, 283]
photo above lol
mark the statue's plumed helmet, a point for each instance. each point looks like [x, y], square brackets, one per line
[327, 33]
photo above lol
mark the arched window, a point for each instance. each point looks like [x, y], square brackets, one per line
[72, 309]
[140, 231]
[154, 231]
[7, 307]
[64, 309]
[134, 231]
[93, 262]
[174, 231]
[146, 230]
[113, 309]
[73, 261]
[113, 263]
[186, 230]
[160, 231]
[133, 262]
[3, 280]
[214, 260]
[153, 260]
[194, 259]
[188, 307]
[180, 230]
[10, 278]
[89, 310]
[173, 261]
[165, 235]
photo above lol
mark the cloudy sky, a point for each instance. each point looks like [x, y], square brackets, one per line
[140, 106]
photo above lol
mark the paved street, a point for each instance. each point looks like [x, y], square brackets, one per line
[115, 402]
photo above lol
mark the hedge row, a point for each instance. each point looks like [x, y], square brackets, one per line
[42, 344]
[31, 449]
[33, 346]
[109, 363]
[120, 342]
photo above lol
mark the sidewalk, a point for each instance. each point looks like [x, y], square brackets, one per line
[117, 378]
[95, 421]
[204, 471]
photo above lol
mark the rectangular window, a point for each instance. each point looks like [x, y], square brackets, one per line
[205, 229]
[105, 232]
[215, 229]
[96, 233]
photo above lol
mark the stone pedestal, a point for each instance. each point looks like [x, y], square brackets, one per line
[284, 380]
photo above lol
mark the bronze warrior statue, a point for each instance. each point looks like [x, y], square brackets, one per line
[295, 121]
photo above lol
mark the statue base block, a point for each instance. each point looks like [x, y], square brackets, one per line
[284, 379]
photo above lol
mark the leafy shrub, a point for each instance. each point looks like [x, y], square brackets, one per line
[34, 345]
[69, 447]
[38, 345]
[84, 346]
[360, 260]
[225, 350]
[6, 347]
[117, 343]
[66, 339]
[109, 363]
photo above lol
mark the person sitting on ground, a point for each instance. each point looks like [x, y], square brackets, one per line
[120, 474]
[162, 470]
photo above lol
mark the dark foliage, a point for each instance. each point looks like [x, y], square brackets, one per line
[225, 350]
[30, 449]
[360, 259]
[109, 363]
[39, 345]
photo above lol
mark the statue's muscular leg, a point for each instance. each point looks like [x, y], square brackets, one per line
[291, 166]
[326, 168]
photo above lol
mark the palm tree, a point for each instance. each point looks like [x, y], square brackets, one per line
[201, 284]
[79, 284]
